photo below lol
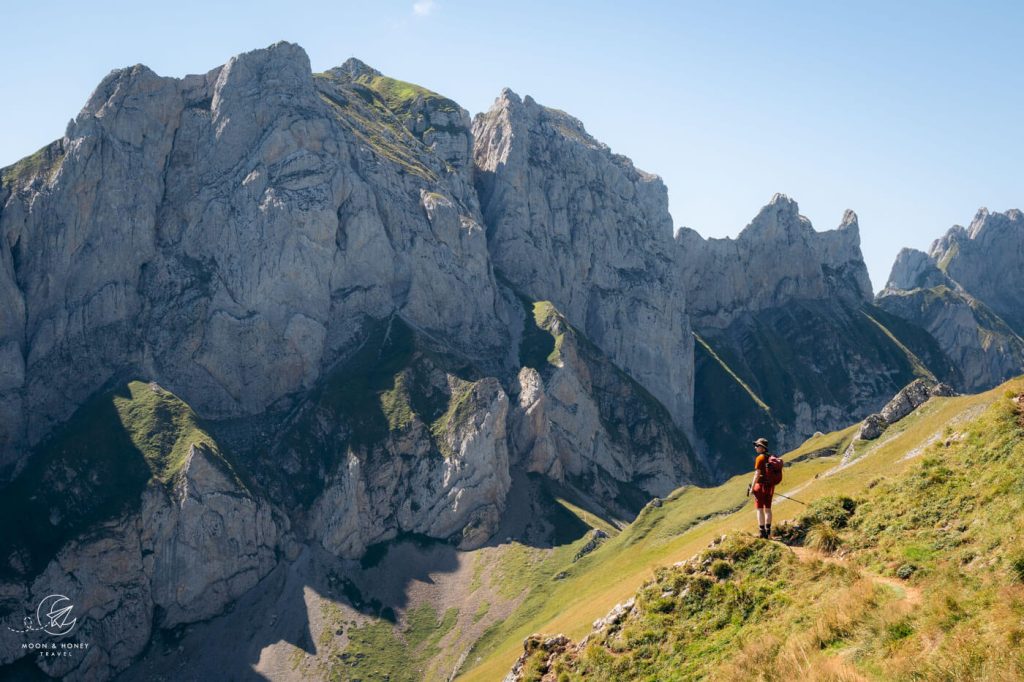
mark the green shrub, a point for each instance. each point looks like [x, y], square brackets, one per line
[835, 510]
[663, 605]
[905, 571]
[721, 569]
[901, 629]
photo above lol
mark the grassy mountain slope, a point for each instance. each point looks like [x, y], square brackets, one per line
[941, 515]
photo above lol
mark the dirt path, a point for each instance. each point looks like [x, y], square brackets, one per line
[912, 595]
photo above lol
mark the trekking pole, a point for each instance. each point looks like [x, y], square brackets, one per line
[790, 498]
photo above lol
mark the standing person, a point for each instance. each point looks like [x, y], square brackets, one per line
[762, 488]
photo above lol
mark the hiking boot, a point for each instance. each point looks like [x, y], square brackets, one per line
[762, 533]
[768, 532]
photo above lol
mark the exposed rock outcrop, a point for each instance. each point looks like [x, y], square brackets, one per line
[453, 487]
[985, 259]
[911, 397]
[206, 542]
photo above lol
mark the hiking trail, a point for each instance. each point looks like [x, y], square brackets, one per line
[908, 593]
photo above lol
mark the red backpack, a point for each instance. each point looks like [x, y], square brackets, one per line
[773, 470]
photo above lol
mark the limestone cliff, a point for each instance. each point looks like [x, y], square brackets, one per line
[777, 259]
[572, 223]
[583, 422]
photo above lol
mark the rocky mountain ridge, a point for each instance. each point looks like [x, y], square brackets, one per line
[966, 293]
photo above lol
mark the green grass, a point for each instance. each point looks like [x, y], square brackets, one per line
[47, 160]
[460, 408]
[834, 442]
[381, 652]
[481, 611]
[590, 519]
[400, 96]
[880, 508]
[948, 257]
[396, 403]
[383, 112]
[161, 426]
[547, 318]
[381, 131]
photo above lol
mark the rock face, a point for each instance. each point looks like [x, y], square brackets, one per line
[207, 542]
[986, 259]
[583, 422]
[453, 491]
[776, 260]
[911, 397]
[571, 223]
[913, 269]
[181, 558]
[966, 293]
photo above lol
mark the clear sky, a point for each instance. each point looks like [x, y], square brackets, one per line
[908, 112]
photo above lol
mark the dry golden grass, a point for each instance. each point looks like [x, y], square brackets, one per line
[823, 538]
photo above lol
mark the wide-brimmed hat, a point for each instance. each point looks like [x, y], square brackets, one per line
[763, 442]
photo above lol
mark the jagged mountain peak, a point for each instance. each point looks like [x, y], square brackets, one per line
[527, 111]
[986, 222]
[850, 220]
[352, 69]
[280, 59]
[780, 198]
[778, 219]
[913, 269]
[954, 235]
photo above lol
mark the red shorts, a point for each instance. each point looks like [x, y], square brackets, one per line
[763, 496]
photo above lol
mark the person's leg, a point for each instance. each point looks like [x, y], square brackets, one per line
[760, 518]
[768, 521]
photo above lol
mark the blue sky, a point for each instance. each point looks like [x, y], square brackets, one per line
[909, 113]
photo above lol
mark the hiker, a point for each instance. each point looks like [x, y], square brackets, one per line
[767, 473]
